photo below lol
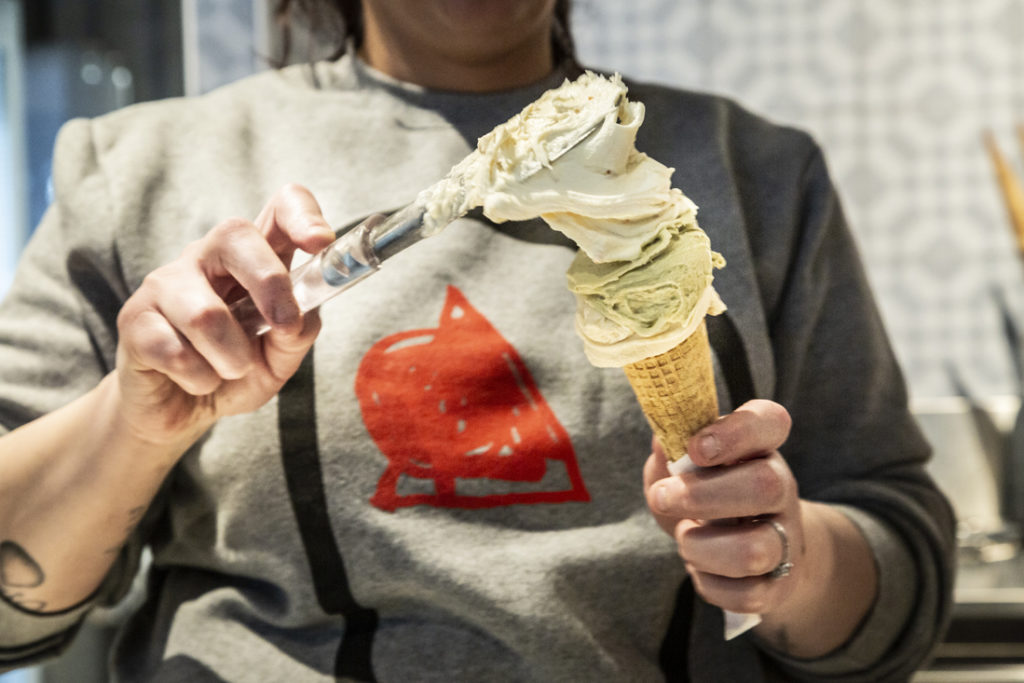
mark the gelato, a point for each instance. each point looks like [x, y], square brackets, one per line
[643, 276]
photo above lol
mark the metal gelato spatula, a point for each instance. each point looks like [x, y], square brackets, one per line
[360, 250]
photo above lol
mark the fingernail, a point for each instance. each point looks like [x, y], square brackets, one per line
[319, 228]
[709, 447]
[284, 314]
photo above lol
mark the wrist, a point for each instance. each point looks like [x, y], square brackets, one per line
[149, 432]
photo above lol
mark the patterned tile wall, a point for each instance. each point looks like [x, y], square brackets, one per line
[899, 93]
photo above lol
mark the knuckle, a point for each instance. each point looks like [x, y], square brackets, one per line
[683, 535]
[167, 352]
[156, 280]
[179, 363]
[292, 188]
[692, 500]
[194, 250]
[682, 547]
[230, 228]
[649, 476]
[158, 348]
[140, 329]
[207, 318]
[763, 424]
[773, 415]
[187, 369]
[768, 484]
[127, 316]
[200, 384]
[750, 427]
[273, 279]
[781, 416]
[651, 494]
[753, 601]
[756, 558]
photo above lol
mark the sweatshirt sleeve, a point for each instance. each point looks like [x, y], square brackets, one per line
[855, 443]
[57, 340]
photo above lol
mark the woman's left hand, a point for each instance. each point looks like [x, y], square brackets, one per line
[733, 515]
[718, 512]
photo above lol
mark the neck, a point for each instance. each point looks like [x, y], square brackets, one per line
[457, 69]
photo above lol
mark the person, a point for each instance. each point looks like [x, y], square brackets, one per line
[425, 479]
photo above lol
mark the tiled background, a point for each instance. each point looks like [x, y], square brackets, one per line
[899, 92]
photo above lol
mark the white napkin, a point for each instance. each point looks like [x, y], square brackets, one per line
[735, 624]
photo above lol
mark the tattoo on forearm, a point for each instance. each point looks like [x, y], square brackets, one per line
[18, 573]
[134, 517]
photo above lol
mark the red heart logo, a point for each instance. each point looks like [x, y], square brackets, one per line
[460, 420]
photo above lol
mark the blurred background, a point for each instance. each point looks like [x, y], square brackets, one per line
[919, 105]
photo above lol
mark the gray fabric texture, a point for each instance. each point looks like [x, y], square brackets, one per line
[525, 589]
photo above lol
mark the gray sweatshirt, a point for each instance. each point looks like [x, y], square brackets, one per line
[448, 490]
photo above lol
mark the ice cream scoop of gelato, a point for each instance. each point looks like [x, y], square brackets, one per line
[643, 276]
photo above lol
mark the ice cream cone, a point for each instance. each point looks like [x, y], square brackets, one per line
[676, 390]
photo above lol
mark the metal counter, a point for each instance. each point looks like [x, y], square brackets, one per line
[985, 643]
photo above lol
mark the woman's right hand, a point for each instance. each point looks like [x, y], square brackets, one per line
[183, 361]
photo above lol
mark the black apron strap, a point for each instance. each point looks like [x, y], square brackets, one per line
[300, 454]
[732, 357]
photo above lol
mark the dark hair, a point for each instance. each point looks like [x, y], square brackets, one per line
[334, 23]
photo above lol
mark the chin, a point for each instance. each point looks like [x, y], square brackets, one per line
[494, 17]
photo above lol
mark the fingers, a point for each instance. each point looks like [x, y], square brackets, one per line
[754, 429]
[735, 550]
[252, 256]
[656, 467]
[709, 508]
[284, 353]
[731, 564]
[178, 325]
[235, 254]
[179, 322]
[655, 471]
[758, 487]
[292, 218]
[149, 342]
[748, 595]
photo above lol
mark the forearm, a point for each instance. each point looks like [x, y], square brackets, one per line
[840, 586]
[73, 484]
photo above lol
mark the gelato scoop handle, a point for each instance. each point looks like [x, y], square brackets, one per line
[355, 255]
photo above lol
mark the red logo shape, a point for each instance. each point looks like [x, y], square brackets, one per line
[460, 419]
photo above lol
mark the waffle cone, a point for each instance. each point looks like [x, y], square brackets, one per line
[676, 390]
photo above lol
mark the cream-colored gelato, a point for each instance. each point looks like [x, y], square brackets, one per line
[643, 277]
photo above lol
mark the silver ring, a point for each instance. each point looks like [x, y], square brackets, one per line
[785, 566]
